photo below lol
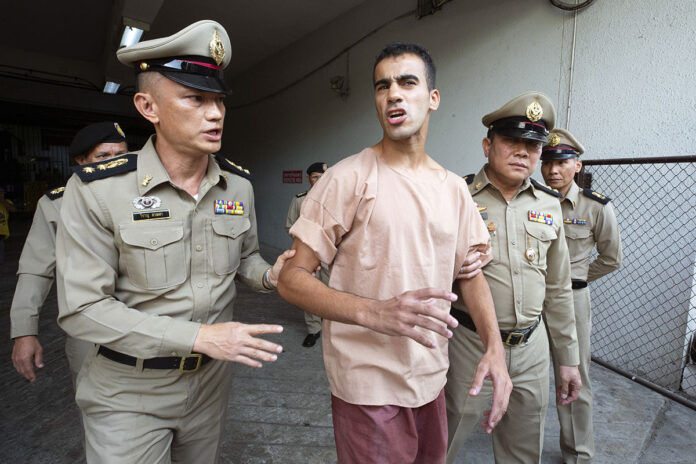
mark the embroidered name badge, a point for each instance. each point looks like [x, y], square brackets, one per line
[151, 215]
[229, 207]
[580, 222]
[544, 218]
[147, 202]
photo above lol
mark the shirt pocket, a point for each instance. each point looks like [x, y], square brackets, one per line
[228, 237]
[580, 242]
[539, 238]
[155, 256]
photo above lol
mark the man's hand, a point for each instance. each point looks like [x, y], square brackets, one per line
[404, 314]
[471, 267]
[233, 341]
[570, 386]
[27, 353]
[280, 262]
[492, 367]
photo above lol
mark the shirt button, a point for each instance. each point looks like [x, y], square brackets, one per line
[200, 285]
[514, 243]
[199, 248]
[173, 353]
[516, 271]
[153, 242]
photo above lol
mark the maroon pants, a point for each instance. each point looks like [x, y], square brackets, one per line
[390, 434]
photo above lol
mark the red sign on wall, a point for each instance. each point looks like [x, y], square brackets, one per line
[292, 177]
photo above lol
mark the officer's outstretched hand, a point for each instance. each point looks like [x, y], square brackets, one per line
[280, 262]
[471, 267]
[405, 315]
[570, 386]
[492, 367]
[233, 341]
[27, 353]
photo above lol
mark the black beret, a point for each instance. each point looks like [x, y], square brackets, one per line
[94, 134]
[319, 166]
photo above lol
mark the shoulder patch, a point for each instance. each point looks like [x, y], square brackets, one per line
[545, 188]
[589, 193]
[55, 193]
[232, 167]
[469, 178]
[301, 194]
[107, 168]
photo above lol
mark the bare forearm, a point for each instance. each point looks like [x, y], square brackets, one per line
[296, 285]
[476, 295]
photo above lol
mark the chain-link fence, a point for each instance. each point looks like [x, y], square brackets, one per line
[644, 314]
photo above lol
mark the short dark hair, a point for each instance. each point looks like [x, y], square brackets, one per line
[395, 49]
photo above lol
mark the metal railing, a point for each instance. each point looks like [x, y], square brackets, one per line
[644, 314]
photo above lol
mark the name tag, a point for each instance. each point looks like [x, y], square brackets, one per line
[151, 215]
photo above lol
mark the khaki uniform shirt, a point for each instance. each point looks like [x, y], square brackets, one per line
[530, 270]
[294, 210]
[141, 281]
[588, 222]
[36, 269]
[386, 232]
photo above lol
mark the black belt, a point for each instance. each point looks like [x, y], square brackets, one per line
[185, 364]
[577, 283]
[511, 338]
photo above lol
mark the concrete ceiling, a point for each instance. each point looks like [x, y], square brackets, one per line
[80, 37]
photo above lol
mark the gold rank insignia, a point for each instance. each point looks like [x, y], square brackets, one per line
[554, 140]
[146, 180]
[478, 185]
[57, 191]
[217, 49]
[534, 111]
[88, 170]
[119, 130]
[599, 195]
[111, 164]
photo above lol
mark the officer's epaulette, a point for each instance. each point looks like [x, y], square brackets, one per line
[589, 193]
[546, 188]
[469, 178]
[55, 193]
[107, 168]
[301, 194]
[232, 167]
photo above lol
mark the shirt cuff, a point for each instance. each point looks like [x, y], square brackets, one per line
[29, 326]
[179, 337]
[568, 356]
[312, 234]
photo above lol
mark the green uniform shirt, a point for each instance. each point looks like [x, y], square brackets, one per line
[37, 264]
[141, 263]
[587, 222]
[530, 270]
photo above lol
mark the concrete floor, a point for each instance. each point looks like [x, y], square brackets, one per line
[281, 413]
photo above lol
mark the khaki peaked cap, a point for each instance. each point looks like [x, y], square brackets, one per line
[528, 116]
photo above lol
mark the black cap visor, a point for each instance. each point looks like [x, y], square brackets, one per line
[196, 81]
[522, 134]
[521, 128]
[558, 153]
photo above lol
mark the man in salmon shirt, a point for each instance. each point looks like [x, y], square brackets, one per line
[396, 228]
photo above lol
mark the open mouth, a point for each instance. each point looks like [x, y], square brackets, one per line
[396, 116]
[214, 133]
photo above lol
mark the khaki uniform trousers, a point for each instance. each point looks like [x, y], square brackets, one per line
[577, 442]
[136, 415]
[76, 351]
[519, 436]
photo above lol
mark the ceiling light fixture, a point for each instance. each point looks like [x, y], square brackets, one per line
[131, 35]
[111, 87]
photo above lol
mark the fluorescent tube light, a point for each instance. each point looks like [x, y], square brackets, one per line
[131, 35]
[111, 87]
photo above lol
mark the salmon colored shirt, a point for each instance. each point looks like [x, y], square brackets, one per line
[386, 232]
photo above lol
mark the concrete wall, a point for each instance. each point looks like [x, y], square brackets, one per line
[630, 93]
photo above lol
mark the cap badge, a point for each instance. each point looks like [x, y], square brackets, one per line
[147, 202]
[534, 111]
[119, 130]
[217, 49]
[554, 140]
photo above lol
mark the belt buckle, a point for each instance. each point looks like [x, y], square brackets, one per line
[199, 358]
[520, 338]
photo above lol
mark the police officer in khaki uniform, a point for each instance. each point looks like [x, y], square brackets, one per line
[99, 141]
[529, 273]
[588, 220]
[314, 173]
[148, 248]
